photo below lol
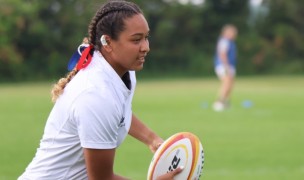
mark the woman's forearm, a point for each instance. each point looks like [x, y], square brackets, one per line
[144, 134]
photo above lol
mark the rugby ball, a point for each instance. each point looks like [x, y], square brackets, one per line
[181, 149]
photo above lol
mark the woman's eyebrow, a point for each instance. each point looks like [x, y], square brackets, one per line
[140, 34]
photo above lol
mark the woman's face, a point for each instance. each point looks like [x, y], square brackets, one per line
[231, 33]
[131, 47]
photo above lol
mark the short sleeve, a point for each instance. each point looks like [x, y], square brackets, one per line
[222, 45]
[97, 120]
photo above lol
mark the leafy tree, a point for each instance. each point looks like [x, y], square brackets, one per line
[38, 37]
[282, 32]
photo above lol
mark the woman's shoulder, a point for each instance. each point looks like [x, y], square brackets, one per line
[96, 98]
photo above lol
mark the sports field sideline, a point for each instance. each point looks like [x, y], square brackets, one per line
[260, 137]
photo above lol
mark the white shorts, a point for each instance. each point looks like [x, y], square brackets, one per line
[221, 71]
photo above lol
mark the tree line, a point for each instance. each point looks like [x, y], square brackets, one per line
[38, 37]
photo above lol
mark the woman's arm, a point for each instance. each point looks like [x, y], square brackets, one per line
[142, 133]
[99, 163]
[224, 57]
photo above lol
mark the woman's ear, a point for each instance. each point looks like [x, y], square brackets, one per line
[103, 40]
[106, 43]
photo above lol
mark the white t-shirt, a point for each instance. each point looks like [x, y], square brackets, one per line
[93, 112]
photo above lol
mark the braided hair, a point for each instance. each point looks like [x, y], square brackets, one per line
[108, 20]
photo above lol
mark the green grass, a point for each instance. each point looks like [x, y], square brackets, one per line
[265, 141]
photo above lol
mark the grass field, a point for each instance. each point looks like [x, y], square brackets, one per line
[265, 141]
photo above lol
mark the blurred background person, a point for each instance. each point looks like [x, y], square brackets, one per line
[225, 65]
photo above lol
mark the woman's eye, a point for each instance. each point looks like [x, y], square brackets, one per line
[136, 40]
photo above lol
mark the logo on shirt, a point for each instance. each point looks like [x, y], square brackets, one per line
[122, 122]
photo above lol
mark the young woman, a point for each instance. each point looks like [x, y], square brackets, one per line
[225, 65]
[92, 113]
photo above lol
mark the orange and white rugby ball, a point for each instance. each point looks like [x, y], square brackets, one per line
[181, 149]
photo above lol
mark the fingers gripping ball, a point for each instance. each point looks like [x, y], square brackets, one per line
[180, 150]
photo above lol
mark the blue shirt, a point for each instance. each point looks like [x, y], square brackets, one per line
[230, 47]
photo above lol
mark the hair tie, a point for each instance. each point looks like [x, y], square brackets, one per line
[85, 58]
[82, 57]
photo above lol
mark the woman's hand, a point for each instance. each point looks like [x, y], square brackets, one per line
[170, 175]
[155, 144]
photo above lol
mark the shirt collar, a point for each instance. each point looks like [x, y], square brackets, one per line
[101, 62]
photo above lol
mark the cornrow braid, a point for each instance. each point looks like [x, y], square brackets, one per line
[109, 20]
